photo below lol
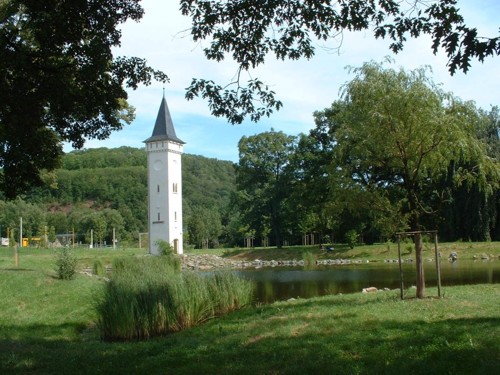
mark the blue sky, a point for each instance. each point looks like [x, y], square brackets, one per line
[162, 38]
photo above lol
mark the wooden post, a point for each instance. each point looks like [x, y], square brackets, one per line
[438, 264]
[420, 280]
[400, 267]
[21, 232]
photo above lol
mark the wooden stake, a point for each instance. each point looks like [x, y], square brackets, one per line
[438, 264]
[400, 267]
[420, 280]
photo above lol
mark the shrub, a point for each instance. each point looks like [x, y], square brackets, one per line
[65, 265]
[167, 251]
[409, 246]
[165, 248]
[351, 238]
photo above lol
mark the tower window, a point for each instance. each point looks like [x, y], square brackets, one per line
[158, 188]
[174, 187]
[175, 215]
[158, 216]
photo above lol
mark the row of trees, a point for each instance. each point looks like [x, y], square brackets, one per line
[81, 225]
[394, 153]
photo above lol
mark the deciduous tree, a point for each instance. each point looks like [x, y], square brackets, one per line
[59, 81]
[264, 178]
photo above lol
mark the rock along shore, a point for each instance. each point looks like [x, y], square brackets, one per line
[211, 262]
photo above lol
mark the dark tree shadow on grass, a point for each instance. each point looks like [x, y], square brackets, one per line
[380, 347]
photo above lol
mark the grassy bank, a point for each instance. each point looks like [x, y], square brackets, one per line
[47, 326]
[376, 252]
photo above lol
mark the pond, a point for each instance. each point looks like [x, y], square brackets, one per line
[282, 283]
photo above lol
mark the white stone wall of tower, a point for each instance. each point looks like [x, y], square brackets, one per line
[165, 194]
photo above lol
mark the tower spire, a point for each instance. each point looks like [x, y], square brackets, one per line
[164, 127]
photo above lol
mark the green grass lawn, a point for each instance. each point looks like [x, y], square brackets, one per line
[47, 327]
[376, 252]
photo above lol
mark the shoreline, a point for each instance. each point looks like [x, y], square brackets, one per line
[207, 262]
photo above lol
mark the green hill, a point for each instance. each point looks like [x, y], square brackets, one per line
[112, 184]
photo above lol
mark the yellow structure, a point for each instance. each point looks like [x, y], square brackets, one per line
[34, 241]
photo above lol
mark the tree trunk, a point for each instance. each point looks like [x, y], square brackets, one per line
[278, 238]
[420, 280]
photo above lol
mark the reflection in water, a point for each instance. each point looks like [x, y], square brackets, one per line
[283, 283]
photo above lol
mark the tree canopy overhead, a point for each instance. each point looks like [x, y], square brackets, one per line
[249, 31]
[60, 81]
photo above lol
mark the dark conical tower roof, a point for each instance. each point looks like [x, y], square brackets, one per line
[164, 128]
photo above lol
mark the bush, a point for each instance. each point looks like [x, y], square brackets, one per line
[165, 248]
[351, 238]
[149, 297]
[65, 265]
[409, 246]
[167, 251]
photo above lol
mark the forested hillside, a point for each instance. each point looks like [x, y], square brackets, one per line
[107, 188]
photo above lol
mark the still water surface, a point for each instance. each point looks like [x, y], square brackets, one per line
[282, 283]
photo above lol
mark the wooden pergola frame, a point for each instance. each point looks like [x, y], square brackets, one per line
[438, 266]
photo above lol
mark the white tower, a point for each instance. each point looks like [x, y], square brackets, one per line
[164, 151]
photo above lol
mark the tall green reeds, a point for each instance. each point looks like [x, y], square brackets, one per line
[149, 297]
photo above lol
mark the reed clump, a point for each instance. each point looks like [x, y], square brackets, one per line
[149, 297]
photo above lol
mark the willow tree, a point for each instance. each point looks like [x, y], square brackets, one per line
[396, 134]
